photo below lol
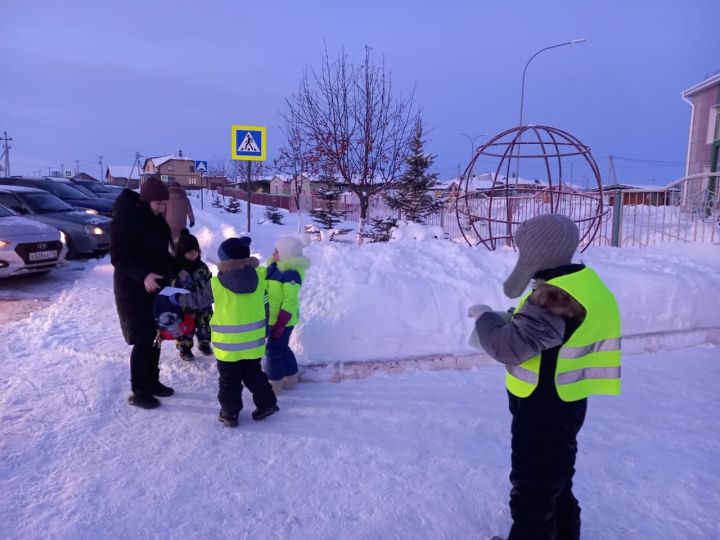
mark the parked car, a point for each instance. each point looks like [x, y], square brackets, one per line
[65, 190]
[85, 234]
[28, 246]
[97, 188]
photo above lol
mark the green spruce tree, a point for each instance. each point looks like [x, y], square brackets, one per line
[328, 216]
[410, 194]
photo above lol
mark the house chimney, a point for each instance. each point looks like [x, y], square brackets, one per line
[180, 153]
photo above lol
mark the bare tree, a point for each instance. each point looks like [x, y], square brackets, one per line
[354, 124]
[297, 160]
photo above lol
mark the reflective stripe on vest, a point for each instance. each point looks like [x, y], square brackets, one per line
[589, 362]
[238, 323]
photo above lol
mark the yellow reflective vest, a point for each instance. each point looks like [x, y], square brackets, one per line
[238, 323]
[589, 362]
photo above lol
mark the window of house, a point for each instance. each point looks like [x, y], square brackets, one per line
[717, 124]
[193, 180]
[192, 168]
[170, 168]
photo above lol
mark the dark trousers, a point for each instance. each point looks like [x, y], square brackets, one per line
[279, 359]
[202, 332]
[544, 446]
[230, 385]
[144, 367]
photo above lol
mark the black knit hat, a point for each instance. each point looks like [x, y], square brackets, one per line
[153, 189]
[186, 242]
[234, 248]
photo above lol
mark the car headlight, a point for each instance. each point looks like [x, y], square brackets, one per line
[63, 238]
[93, 229]
[4, 244]
[91, 211]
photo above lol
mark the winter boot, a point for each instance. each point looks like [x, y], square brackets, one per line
[228, 419]
[277, 386]
[187, 355]
[160, 390]
[143, 400]
[205, 348]
[258, 414]
[290, 381]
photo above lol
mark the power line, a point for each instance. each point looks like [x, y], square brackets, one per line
[650, 160]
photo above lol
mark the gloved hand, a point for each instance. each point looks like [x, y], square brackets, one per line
[279, 327]
[477, 310]
[174, 299]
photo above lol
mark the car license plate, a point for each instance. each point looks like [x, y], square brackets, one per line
[43, 255]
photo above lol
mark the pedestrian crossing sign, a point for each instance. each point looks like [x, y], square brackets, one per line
[248, 142]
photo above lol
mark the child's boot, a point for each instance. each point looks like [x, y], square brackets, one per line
[228, 419]
[277, 386]
[204, 348]
[186, 354]
[290, 381]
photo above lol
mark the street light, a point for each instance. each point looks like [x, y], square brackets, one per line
[472, 141]
[522, 91]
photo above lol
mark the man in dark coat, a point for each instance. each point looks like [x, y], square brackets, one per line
[139, 251]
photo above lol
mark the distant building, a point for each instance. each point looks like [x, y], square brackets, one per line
[121, 175]
[173, 168]
[704, 138]
[703, 142]
[85, 176]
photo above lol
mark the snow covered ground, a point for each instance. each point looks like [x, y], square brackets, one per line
[410, 455]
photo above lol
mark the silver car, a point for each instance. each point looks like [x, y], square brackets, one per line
[85, 234]
[28, 246]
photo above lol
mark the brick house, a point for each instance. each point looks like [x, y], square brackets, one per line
[173, 168]
[122, 175]
[704, 137]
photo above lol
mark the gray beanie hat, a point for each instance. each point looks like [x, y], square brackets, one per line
[543, 242]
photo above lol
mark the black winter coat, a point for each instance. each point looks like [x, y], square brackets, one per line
[139, 244]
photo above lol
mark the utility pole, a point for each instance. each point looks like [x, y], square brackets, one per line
[6, 152]
[136, 162]
[77, 167]
[611, 170]
[49, 170]
[101, 169]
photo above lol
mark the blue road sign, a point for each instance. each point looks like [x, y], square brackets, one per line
[248, 142]
[201, 166]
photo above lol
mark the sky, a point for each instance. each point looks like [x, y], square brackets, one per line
[83, 79]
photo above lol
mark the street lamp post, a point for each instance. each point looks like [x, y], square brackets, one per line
[472, 141]
[522, 95]
[522, 91]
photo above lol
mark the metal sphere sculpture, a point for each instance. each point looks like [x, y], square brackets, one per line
[529, 171]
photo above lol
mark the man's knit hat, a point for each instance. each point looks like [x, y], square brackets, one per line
[289, 247]
[543, 242]
[186, 242]
[153, 189]
[234, 248]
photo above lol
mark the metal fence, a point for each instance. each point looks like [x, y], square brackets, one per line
[687, 210]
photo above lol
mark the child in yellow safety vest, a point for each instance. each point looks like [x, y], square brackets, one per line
[238, 328]
[560, 345]
[285, 276]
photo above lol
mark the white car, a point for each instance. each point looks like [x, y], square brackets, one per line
[28, 246]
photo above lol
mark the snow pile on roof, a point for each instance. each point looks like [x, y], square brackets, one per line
[157, 161]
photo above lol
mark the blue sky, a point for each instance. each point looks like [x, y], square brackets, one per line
[79, 79]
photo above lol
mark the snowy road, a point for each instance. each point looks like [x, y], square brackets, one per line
[410, 456]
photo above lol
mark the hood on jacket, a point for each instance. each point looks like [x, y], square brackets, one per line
[239, 275]
[294, 263]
